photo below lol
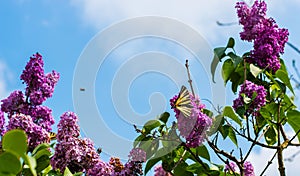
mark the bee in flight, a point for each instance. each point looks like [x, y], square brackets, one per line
[183, 102]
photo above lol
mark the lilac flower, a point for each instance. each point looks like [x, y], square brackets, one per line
[76, 154]
[2, 122]
[269, 39]
[67, 126]
[249, 89]
[42, 116]
[100, 169]
[39, 86]
[248, 169]
[194, 127]
[251, 18]
[133, 168]
[137, 154]
[35, 133]
[13, 103]
[231, 167]
[33, 74]
[159, 171]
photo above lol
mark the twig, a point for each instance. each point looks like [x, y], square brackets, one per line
[269, 163]
[189, 76]
[291, 158]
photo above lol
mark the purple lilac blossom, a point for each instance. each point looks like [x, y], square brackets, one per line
[39, 86]
[269, 40]
[231, 167]
[248, 89]
[194, 127]
[42, 116]
[137, 154]
[159, 171]
[2, 123]
[35, 133]
[248, 169]
[79, 155]
[13, 103]
[67, 127]
[100, 169]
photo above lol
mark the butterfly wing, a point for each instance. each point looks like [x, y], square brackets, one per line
[183, 102]
[52, 136]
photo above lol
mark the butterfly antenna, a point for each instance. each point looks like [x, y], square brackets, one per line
[189, 76]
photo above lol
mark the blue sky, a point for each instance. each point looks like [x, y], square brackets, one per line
[60, 30]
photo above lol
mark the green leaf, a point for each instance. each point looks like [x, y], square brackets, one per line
[15, 141]
[230, 43]
[227, 70]
[41, 153]
[294, 121]
[149, 146]
[283, 76]
[181, 170]
[150, 125]
[208, 113]
[67, 172]
[216, 122]
[31, 162]
[232, 136]
[164, 117]
[40, 147]
[203, 152]
[235, 59]
[138, 140]
[42, 163]
[227, 131]
[229, 112]
[150, 163]
[255, 70]
[219, 53]
[9, 164]
[271, 135]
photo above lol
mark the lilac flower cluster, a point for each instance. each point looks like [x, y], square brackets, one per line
[248, 169]
[269, 39]
[194, 127]
[249, 89]
[2, 123]
[26, 111]
[39, 86]
[42, 115]
[15, 102]
[100, 169]
[35, 133]
[231, 167]
[70, 151]
[159, 171]
[137, 154]
[67, 127]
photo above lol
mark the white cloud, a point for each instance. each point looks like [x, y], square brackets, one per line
[260, 160]
[200, 14]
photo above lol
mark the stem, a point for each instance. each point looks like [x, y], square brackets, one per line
[269, 163]
[189, 76]
[281, 167]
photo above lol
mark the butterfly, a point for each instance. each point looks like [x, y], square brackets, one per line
[183, 102]
[52, 136]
